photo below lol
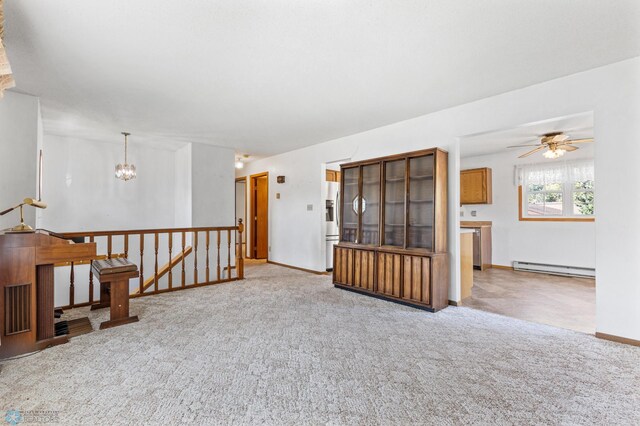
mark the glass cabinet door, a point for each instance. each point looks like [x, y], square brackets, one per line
[394, 199]
[421, 196]
[349, 216]
[370, 231]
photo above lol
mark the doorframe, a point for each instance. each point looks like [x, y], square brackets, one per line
[243, 179]
[252, 185]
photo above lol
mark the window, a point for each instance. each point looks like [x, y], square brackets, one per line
[559, 191]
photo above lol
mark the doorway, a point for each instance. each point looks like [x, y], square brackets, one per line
[241, 208]
[527, 222]
[259, 193]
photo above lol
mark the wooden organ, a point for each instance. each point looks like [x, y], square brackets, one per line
[27, 288]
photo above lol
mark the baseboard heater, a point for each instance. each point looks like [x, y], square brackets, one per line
[567, 271]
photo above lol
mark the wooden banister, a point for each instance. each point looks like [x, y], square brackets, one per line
[165, 269]
[114, 241]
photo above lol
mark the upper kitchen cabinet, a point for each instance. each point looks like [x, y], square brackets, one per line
[475, 186]
[333, 176]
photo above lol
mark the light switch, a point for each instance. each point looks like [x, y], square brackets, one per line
[309, 207]
[277, 195]
[473, 213]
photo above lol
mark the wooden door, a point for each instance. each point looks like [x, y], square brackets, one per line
[260, 211]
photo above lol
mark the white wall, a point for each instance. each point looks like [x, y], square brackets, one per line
[19, 118]
[84, 195]
[213, 185]
[612, 93]
[556, 243]
[183, 187]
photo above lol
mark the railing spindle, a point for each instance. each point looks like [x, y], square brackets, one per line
[240, 252]
[183, 282]
[109, 245]
[126, 245]
[90, 276]
[195, 257]
[72, 289]
[155, 276]
[228, 253]
[170, 259]
[141, 263]
[207, 243]
[218, 255]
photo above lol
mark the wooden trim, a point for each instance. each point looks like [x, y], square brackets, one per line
[521, 217]
[506, 268]
[393, 299]
[86, 234]
[618, 339]
[311, 271]
[252, 185]
[393, 157]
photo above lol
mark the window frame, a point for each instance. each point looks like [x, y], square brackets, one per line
[568, 191]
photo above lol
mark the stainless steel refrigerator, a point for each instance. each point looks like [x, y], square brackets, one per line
[332, 220]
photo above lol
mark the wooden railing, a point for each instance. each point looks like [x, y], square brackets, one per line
[196, 256]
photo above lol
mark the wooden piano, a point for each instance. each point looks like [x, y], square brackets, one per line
[26, 288]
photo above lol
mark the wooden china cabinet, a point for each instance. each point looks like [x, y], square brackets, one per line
[393, 229]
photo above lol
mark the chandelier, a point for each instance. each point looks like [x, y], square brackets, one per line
[125, 171]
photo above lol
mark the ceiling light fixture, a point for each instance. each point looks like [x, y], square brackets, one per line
[554, 153]
[125, 171]
[239, 161]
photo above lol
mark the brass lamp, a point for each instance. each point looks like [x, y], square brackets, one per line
[23, 227]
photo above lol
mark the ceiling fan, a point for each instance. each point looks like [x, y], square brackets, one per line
[555, 143]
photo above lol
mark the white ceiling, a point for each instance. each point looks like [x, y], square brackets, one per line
[577, 126]
[270, 76]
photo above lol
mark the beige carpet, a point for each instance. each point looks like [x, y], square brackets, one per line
[285, 347]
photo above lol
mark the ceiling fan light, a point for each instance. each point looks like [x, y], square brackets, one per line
[550, 154]
[239, 164]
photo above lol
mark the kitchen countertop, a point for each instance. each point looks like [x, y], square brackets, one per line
[475, 224]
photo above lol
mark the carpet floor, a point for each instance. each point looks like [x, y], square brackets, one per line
[286, 347]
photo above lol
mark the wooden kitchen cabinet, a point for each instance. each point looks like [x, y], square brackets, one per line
[333, 176]
[475, 186]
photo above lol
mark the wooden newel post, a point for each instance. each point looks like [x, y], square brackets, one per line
[239, 251]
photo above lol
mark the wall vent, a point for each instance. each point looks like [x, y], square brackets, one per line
[563, 270]
[17, 308]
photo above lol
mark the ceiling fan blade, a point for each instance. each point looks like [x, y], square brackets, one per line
[586, 140]
[520, 146]
[567, 147]
[560, 138]
[533, 151]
